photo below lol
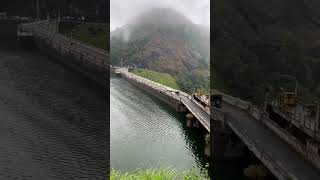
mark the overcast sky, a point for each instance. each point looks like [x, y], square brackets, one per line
[122, 11]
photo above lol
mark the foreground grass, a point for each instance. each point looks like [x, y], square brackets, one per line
[158, 174]
[161, 78]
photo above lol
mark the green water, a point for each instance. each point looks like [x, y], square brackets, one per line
[146, 133]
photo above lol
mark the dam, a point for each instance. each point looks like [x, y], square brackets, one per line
[90, 61]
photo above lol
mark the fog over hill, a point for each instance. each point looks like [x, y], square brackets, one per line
[122, 11]
[164, 40]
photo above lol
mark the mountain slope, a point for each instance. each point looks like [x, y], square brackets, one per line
[255, 42]
[164, 40]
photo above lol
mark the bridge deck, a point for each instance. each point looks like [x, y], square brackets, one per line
[287, 159]
[198, 112]
[201, 113]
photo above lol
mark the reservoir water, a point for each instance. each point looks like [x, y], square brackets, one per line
[52, 120]
[146, 133]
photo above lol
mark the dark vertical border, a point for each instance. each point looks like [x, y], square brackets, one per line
[107, 18]
[211, 162]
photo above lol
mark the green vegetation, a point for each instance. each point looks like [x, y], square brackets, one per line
[162, 78]
[91, 34]
[185, 82]
[248, 71]
[159, 174]
[191, 82]
[254, 52]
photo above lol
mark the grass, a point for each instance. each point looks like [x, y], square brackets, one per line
[165, 173]
[91, 34]
[161, 78]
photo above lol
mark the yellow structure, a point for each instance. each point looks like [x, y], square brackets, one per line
[289, 99]
[199, 93]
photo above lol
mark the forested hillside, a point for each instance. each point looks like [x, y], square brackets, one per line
[260, 44]
[164, 40]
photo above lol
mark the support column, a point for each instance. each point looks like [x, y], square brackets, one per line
[189, 118]
[207, 145]
[225, 145]
[196, 123]
[218, 146]
[181, 108]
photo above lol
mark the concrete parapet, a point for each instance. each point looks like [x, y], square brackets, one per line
[153, 88]
[310, 152]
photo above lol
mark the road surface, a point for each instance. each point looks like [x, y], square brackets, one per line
[273, 146]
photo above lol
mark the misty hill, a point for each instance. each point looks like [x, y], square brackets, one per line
[255, 42]
[165, 41]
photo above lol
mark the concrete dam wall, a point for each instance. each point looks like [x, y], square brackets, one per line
[166, 95]
[90, 61]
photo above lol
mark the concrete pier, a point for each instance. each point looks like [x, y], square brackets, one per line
[189, 119]
[207, 145]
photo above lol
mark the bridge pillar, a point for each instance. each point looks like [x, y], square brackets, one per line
[181, 108]
[191, 121]
[196, 123]
[207, 145]
[218, 145]
[189, 118]
[226, 145]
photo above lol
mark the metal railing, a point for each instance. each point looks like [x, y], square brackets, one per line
[300, 118]
[293, 142]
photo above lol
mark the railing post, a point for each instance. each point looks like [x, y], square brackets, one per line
[318, 117]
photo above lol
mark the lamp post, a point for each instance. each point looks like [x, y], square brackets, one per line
[267, 91]
[37, 9]
[318, 116]
[57, 28]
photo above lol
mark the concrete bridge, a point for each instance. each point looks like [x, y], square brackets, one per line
[91, 61]
[274, 146]
[251, 125]
[181, 101]
[276, 154]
